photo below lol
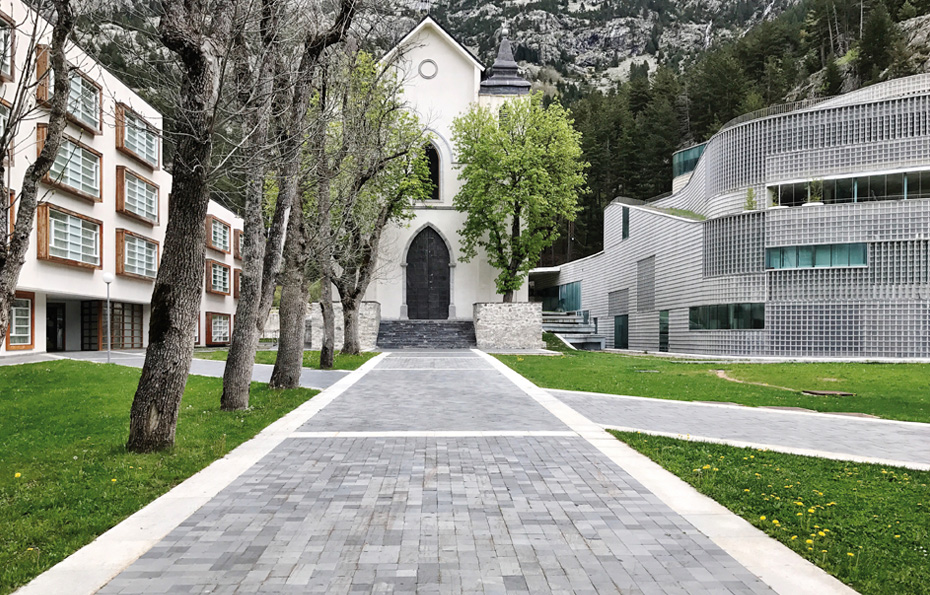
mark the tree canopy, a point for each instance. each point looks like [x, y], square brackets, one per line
[523, 171]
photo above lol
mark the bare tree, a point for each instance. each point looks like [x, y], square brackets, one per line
[13, 247]
[377, 171]
[199, 33]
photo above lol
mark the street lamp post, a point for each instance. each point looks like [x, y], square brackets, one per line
[108, 278]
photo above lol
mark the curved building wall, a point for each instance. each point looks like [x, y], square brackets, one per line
[816, 301]
[831, 138]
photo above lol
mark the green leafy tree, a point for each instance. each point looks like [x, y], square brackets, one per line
[523, 172]
[876, 49]
[832, 79]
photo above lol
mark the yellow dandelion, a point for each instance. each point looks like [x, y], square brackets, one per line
[821, 533]
[793, 537]
[28, 549]
[823, 551]
[808, 541]
[762, 518]
[746, 490]
[114, 479]
[800, 514]
[810, 510]
[850, 554]
[897, 536]
[706, 467]
[17, 474]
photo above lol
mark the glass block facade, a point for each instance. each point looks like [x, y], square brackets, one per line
[834, 262]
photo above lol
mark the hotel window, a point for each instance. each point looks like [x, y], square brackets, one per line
[217, 278]
[136, 196]
[22, 322]
[7, 42]
[237, 244]
[76, 168]
[726, 317]
[84, 102]
[125, 326]
[218, 232]
[69, 238]
[137, 256]
[135, 137]
[821, 256]
[218, 328]
[236, 275]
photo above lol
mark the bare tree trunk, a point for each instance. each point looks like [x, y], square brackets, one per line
[13, 254]
[351, 344]
[328, 350]
[179, 285]
[508, 297]
[250, 322]
[293, 308]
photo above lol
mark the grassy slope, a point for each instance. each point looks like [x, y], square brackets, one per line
[894, 391]
[311, 358]
[63, 429]
[877, 514]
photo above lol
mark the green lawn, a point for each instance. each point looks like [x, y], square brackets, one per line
[65, 476]
[311, 358]
[894, 391]
[865, 524]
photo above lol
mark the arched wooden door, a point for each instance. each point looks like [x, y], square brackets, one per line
[428, 282]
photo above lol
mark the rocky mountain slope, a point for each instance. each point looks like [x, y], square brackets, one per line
[596, 40]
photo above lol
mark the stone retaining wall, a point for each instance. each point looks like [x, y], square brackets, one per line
[516, 325]
[369, 321]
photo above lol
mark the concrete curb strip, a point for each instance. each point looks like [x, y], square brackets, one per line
[807, 452]
[775, 564]
[95, 564]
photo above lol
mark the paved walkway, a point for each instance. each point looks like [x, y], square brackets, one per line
[309, 378]
[834, 436]
[446, 473]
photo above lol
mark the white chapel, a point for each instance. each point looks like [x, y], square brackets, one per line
[419, 274]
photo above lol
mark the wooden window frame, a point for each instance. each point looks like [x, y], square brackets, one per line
[209, 231]
[8, 156]
[25, 295]
[77, 121]
[4, 77]
[209, 275]
[42, 237]
[121, 171]
[208, 323]
[237, 244]
[41, 132]
[121, 254]
[236, 274]
[121, 109]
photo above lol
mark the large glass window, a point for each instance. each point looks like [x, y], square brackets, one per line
[218, 278]
[84, 101]
[622, 331]
[6, 49]
[626, 223]
[141, 197]
[570, 297]
[432, 159]
[725, 317]
[20, 333]
[73, 238]
[141, 256]
[219, 235]
[820, 256]
[136, 137]
[77, 168]
[685, 161]
[218, 327]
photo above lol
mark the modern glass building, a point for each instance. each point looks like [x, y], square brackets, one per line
[832, 261]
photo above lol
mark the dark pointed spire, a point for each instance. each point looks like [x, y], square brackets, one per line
[505, 76]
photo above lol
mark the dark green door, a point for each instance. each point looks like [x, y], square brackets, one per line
[663, 330]
[622, 332]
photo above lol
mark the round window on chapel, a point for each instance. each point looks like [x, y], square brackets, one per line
[428, 69]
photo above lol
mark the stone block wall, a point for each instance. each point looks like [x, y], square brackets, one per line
[369, 321]
[516, 325]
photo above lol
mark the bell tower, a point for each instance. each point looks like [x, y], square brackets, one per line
[505, 81]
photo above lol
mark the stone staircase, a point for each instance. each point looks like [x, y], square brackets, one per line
[426, 334]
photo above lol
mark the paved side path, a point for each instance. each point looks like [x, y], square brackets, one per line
[309, 378]
[435, 473]
[835, 436]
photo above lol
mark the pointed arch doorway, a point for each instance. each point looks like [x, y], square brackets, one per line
[429, 277]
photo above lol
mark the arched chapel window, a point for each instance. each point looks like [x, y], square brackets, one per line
[432, 157]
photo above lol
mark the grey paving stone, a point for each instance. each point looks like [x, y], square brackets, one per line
[518, 514]
[834, 434]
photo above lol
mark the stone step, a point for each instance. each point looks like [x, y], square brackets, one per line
[425, 334]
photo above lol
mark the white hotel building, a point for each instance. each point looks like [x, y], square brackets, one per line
[102, 209]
